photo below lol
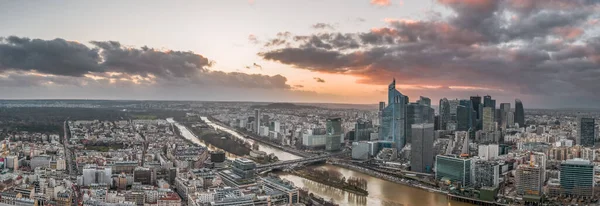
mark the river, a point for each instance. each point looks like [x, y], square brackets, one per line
[381, 192]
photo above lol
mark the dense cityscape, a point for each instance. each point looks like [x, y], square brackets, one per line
[467, 151]
[300, 103]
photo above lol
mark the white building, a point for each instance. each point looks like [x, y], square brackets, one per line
[488, 152]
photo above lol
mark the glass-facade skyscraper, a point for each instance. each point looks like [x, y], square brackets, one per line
[418, 113]
[444, 110]
[393, 118]
[586, 130]
[519, 113]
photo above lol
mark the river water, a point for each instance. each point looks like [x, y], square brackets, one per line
[381, 192]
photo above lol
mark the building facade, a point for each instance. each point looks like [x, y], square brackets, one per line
[393, 121]
[577, 178]
[421, 157]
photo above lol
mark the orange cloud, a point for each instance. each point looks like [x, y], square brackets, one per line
[403, 21]
[381, 2]
[568, 32]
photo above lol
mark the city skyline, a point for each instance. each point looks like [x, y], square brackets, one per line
[545, 53]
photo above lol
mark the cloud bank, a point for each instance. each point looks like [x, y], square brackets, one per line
[517, 47]
[28, 62]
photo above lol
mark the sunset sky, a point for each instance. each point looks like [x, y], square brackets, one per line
[545, 52]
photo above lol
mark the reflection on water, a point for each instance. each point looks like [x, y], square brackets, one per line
[381, 192]
[187, 134]
[282, 155]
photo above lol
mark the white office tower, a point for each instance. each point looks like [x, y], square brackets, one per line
[488, 152]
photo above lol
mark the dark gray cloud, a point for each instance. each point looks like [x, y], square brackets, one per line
[56, 56]
[319, 80]
[145, 61]
[519, 47]
[37, 62]
[323, 26]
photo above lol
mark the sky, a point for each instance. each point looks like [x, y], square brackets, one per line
[544, 52]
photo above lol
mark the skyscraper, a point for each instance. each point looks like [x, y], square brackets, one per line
[362, 130]
[444, 110]
[418, 113]
[519, 113]
[256, 121]
[586, 130]
[504, 109]
[476, 103]
[463, 118]
[421, 156]
[334, 126]
[424, 101]
[393, 124]
[489, 102]
[488, 119]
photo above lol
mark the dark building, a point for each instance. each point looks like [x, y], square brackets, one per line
[489, 102]
[417, 113]
[463, 118]
[476, 103]
[143, 175]
[363, 130]
[519, 113]
[217, 156]
[504, 110]
[422, 157]
[587, 132]
[444, 111]
[468, 118]
[334, 126]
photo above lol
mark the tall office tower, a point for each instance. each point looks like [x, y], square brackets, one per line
[424, 101]
[471, 114]
[476, 103]
[489, 124]
[463, 118]
[489, 102]
[519, 113]
[256, 121]
[510, 119]
[381, 106]
[586, 132]
[334, 137]
[334, 126]
[577, 178]
[529, 179]
[504, 109]
[362, 130]
[393, 125]
[444, 111]
[454, 168]
[417, 113]
[421, 154]
[486, 174]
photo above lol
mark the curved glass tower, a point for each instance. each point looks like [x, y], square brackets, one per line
[519, 113]
[393, 125]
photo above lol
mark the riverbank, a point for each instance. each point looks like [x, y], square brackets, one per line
[320, 179]
[262, 140]
[383, 176]
[220, 140]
